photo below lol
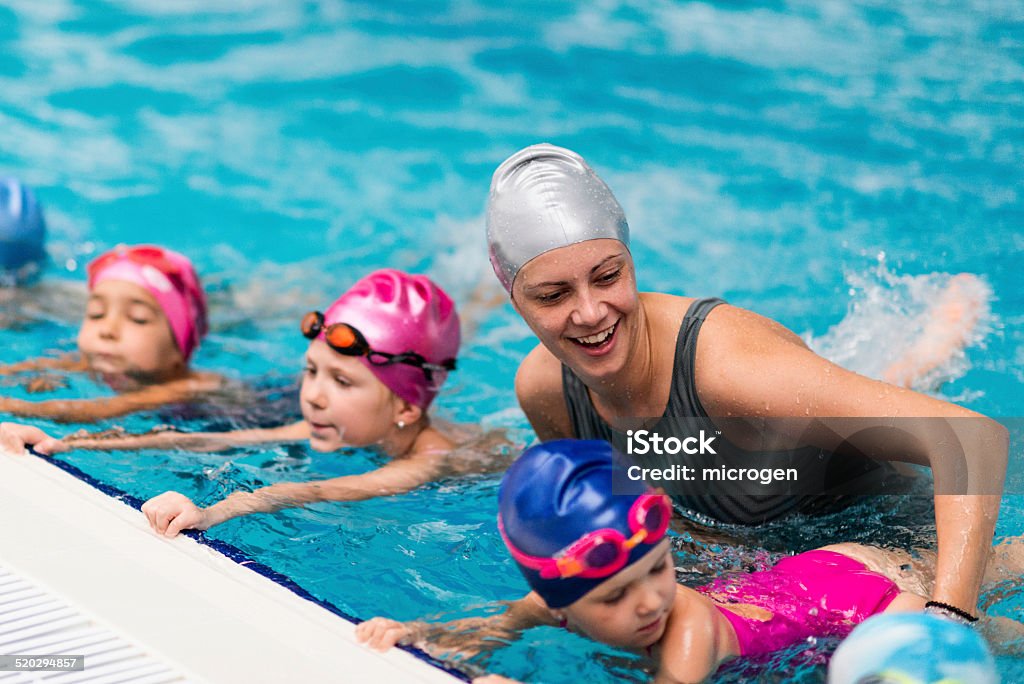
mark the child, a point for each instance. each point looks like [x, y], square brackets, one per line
[600, 564]
[145, 316]
[375, 361]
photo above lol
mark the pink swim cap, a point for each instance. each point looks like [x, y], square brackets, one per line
[169, 277]
[400, 313]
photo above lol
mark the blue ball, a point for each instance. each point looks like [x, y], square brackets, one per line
[912, 648]
[22, 232]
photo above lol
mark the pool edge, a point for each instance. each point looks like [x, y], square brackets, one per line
[98, 554]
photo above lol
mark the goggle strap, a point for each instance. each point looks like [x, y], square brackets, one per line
[638, 538]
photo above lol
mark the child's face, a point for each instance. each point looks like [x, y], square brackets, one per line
[343, 402]
[630, 609]
[125, 333]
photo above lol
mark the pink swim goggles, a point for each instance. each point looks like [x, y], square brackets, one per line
[602, 552]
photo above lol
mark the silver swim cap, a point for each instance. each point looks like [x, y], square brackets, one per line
[545, 197]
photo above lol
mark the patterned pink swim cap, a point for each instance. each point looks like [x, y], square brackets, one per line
[400, 313]
[169, 277]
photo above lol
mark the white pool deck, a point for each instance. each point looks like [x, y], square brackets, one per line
[81, 565]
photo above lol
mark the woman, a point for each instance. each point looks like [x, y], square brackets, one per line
[559, 244]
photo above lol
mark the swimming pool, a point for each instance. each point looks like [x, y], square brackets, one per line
[801, 159]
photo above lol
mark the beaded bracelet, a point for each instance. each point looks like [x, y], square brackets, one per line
[951, 612]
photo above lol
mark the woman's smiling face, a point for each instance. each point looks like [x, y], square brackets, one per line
[581, 301]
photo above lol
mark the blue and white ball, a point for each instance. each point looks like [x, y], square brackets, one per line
[22, 232]
[912, 648]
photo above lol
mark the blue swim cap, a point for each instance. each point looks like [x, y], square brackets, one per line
[22, 231]
[912, 648]
[554, 494]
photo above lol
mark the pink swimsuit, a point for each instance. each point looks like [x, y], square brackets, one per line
[818, 593]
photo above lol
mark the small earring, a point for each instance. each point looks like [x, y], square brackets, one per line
[563, 622]
[400, 424]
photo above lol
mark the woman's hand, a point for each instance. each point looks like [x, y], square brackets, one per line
[15, 438]
[171, 512]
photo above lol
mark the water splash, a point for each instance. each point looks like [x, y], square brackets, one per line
[914, 330]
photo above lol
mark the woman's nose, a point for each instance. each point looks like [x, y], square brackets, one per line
[590, 310]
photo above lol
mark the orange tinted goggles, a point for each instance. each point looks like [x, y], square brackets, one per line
[348, 341]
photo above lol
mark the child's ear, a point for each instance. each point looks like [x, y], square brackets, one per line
[406, 413]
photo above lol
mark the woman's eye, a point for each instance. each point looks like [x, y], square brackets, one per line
[309, 370]
[549, 298]
[342, 381]
[659, 568]
[610, 277]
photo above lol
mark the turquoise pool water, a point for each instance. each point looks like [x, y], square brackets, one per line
[813, 161]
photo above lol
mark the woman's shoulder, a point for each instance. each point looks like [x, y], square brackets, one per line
[661, 304]
[539, 391]
[540, 372]
[666, 312]
[675, 307]
[733, 327]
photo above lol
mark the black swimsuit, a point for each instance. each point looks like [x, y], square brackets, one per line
[819, 472]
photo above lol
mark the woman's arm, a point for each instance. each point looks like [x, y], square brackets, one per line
[748, 366]
[171, 512]
[465, 637]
